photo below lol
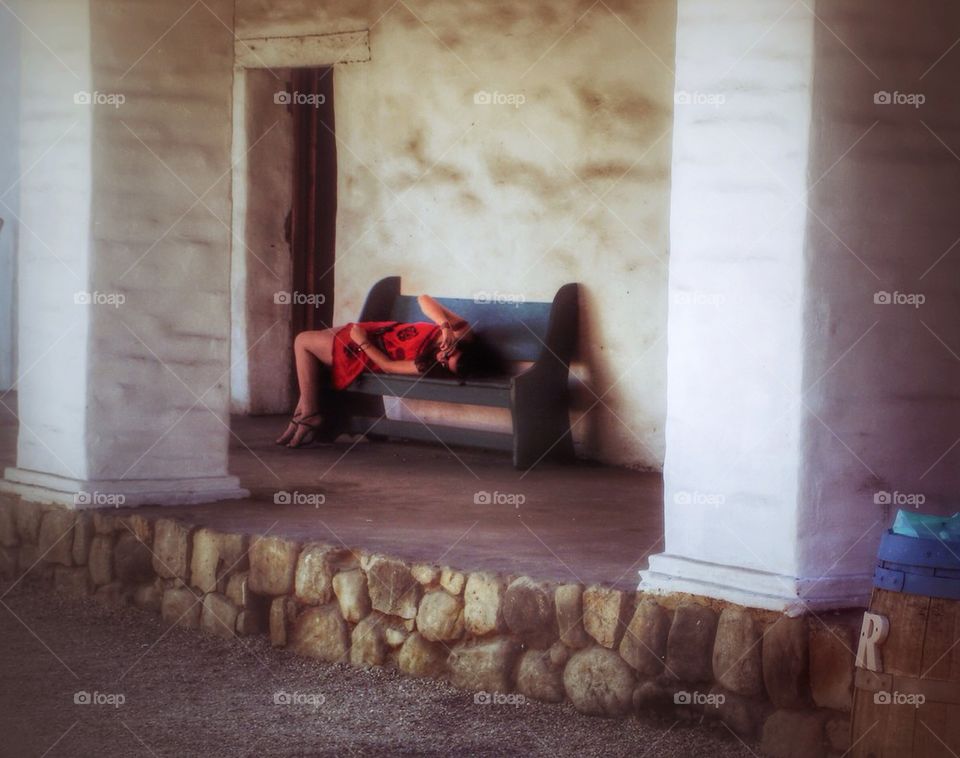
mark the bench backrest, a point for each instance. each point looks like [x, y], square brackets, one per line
[516, 331]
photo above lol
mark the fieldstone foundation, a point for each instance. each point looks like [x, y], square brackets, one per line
[787, 682]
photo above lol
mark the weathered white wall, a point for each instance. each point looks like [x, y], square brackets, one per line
[9, 187]
[459, 197]
[882, 380]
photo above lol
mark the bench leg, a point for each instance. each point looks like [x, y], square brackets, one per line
[338, 408]
[541, 425]
[347, 409]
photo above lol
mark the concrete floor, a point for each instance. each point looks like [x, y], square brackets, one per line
[584, 523]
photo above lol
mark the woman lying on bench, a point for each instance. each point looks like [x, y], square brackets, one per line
[443, 347]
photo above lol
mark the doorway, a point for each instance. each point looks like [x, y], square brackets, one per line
[285, 203]
[313, 214]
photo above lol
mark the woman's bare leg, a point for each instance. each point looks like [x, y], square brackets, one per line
[310, 349]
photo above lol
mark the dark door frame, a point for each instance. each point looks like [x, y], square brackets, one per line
[313, 216]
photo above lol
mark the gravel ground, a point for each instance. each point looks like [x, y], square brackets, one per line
[188, 694]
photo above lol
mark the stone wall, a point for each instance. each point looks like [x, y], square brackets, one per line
[464, 198]
[784, 681]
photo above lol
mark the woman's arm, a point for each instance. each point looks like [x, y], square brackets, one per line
[383, 361]
[455, 327]
[439, 314]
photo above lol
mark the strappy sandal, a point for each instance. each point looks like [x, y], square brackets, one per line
[284, 438]
[311, 432]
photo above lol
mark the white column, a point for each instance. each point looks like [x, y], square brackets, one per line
[124, 257]
[735, 464]
[9, 188]
[54, 251]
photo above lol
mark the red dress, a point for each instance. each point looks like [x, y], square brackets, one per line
[401, 342]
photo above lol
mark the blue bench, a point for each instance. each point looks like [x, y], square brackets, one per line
[538, 396]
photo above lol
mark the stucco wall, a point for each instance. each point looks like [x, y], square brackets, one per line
[882, 380]
[459, 197]
[9, 188]
[159, 372]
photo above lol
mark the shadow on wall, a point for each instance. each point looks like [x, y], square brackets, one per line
[883, 369]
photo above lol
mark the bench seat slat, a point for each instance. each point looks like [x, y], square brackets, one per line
[450, 435]
[493, 392]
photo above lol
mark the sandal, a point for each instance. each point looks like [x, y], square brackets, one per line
[288, 433]
[311, 433]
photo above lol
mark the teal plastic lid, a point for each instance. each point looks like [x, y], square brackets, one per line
[926, 526]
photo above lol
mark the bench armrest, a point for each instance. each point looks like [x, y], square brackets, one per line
[560, 343]
[380, 300]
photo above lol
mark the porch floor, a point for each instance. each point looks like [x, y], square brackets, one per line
[582, 523]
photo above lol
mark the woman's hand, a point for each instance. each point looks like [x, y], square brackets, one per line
[447, 337]
[358, 334]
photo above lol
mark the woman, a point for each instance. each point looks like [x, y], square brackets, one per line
[440, 346]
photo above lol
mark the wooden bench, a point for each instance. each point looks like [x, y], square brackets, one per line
[537, 395]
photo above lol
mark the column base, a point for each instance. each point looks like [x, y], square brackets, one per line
[793, 596]
[121, 493]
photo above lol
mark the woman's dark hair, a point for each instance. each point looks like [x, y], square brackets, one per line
[476, 359]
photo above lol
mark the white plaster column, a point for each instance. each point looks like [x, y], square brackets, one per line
[736, 343]
[814, 327]
[54, 251]
[9, 188]
[124, 257]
